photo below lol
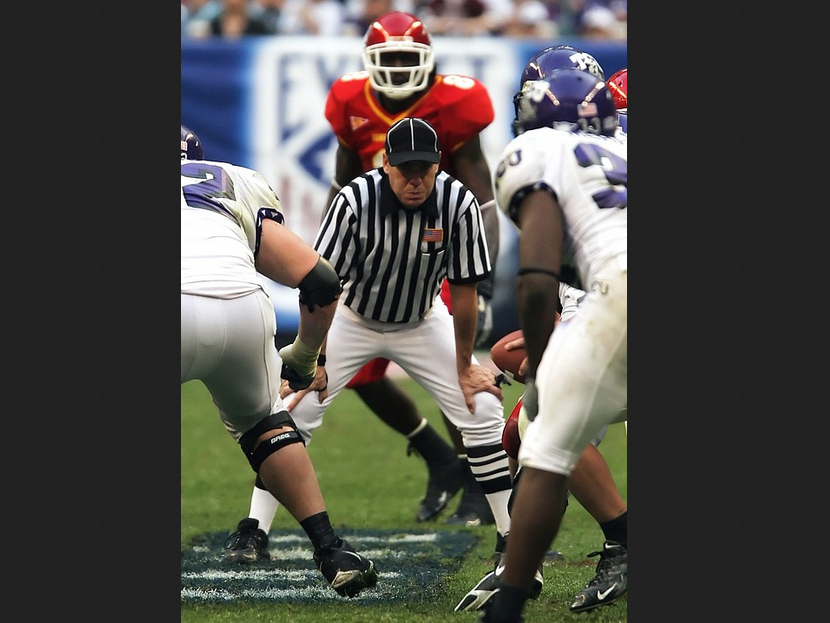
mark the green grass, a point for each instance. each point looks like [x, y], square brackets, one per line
[369, 482]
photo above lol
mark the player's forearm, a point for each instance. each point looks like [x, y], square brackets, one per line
[464, 318]
[536, 303]
[314, 326]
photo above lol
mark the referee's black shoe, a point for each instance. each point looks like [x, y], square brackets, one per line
[610, 582]
[444, 482]
[248, 544]
[346, 571]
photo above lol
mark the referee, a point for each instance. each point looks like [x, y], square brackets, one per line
[393, 235]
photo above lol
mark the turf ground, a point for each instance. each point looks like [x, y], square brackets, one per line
[372, 490]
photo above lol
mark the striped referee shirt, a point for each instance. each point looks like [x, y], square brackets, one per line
[392, 260]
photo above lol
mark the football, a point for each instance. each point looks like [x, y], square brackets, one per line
[509, 360]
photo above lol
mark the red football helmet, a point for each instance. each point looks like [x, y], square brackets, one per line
[618, 85]
[392, 39]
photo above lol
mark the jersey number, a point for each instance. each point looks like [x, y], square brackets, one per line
[615, 170]
[462, 82]
[589, 154]
[209, 182]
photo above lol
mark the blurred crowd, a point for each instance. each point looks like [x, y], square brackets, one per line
[594, 19]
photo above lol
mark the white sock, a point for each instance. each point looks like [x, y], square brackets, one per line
[498, 504]
[263, 507]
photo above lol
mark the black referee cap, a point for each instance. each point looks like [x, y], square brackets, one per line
[411, 139]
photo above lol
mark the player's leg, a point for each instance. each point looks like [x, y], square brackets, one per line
[277, 453]
[582, 380]
[246, 394]
[249, 542]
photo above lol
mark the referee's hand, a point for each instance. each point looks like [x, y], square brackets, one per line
[320, 385]
[476, 379]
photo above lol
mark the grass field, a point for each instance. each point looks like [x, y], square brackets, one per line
[370, 483]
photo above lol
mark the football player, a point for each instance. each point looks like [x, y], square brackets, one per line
[232, 233]
[567, 193]
[591, 482]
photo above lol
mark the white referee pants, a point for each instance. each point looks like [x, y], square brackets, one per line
[582, 380]
[424, 349]
[228, 344]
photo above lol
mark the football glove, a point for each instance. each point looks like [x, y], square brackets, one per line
[299, 364]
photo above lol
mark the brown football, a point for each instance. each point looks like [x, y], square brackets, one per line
[508, 360]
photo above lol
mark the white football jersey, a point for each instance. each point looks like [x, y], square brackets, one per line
[588, 175]
[222, 210]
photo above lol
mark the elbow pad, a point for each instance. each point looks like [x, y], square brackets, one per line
[320, 286]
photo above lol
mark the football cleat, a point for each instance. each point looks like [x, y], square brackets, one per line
[346, 571]
[474, 509]
[610, 582]
[489, 585]
[443, 484]
[248, 544]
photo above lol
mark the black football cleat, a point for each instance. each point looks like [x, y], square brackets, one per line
[248, 544]
[610, 582]
[444, 482]
[480, 595]
[346, 571]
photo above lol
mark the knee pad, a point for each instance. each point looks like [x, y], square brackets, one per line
[269, 446]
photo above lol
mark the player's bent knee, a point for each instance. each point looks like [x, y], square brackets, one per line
[274, 444]
[256, 454]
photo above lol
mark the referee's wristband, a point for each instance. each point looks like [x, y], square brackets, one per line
[321, 359]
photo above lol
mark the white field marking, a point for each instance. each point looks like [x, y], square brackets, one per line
[316, 594]
[261, 574]
[304, 553]
[403, 538]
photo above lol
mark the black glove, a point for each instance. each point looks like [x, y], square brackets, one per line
[296, 381]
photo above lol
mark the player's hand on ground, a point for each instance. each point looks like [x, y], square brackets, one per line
[319, 385]
[478, 379]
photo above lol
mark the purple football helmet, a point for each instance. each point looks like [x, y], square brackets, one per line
[191, 145]
[567, 98]
[548, 60]
[560, 57]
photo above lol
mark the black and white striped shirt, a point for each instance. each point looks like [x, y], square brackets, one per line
[392, 260]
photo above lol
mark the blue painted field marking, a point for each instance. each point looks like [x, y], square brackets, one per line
[411, 565]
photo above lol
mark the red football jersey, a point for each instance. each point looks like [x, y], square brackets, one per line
[458, 107]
